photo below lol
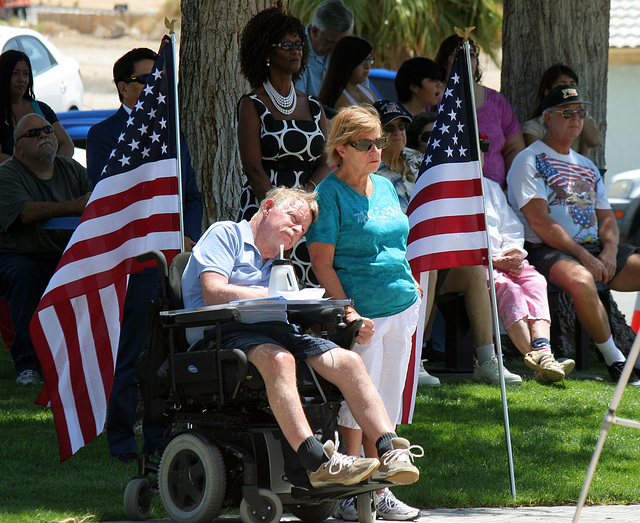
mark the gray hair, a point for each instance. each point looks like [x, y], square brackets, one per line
[333, 15]
[16, 134]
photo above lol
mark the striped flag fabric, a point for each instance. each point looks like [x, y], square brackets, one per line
[446, 212]
[134, 208]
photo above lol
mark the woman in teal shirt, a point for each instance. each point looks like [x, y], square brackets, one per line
[358, 251]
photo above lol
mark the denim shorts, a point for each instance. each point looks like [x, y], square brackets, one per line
[543, 257]
[243, 336]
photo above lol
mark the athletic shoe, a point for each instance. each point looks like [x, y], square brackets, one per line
[615, 371]
[545, 364]
[396, 465]
[567, 365]
[341, 469]
[425, 379]
[29, 377]
[346, 510]
[392, 509]
[487, 372]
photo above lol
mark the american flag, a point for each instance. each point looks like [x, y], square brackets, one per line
[446, 210]
[133, 209]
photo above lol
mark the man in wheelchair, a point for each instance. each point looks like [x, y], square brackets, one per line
[232, 261]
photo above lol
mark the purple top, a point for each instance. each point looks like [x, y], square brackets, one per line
[496, 120]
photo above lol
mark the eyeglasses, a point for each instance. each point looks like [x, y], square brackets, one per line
[288, 46]
[391, 127]
[567, 114]
[424, 137]
[141, 79]
[31, 133]
[368, 60]
[365, 144]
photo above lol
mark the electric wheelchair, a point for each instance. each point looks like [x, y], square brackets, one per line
[226, 450]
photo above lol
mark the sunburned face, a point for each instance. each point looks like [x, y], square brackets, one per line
[283, 226]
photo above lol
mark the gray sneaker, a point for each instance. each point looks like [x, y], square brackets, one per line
[396, 465]
[392, 509]
[346, 510]
[29, 377]
[425, 379]
[341, 469]
[488, 373]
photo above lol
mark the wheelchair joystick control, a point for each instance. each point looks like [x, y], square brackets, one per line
[283, 277]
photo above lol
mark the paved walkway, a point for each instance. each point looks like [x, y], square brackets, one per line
[597, 514]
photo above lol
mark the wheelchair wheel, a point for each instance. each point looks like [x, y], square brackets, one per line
[191, 479]
[137, 499]
[314, 512]
[366, 507]
[274, 509]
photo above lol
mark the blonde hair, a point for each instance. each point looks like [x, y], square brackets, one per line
[283, 197]
[352, 123]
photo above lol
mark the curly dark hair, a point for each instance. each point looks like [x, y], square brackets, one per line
[8, 61]
[448, 46]
[348, 53]
[266, 28]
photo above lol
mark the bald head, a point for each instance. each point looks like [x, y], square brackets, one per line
[35, 141]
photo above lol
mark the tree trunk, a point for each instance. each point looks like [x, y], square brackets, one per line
[210, 86]
[540, 33]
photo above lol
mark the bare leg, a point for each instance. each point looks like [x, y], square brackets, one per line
[520, 336]
[577, 282]
[629, 278]
[277, 366]
[345, 369]
[473, 282]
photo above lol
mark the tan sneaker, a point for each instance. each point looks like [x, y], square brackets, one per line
[396, 465]
[341, 469]
[547, 370]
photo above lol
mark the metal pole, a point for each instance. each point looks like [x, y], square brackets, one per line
[494, 310]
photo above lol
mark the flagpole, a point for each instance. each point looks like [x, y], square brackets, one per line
[172, 35]
[494, 309]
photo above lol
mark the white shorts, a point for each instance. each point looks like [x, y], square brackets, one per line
[386, 359]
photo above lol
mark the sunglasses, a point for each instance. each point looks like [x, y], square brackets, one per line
[288, 46]
[424, 137]
[567, 114]
[369, 60]
[32, 133]
[391, 127]
[365, 144]
[141, 79]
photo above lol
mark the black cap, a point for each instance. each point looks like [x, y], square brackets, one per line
[562, 95]
[389, 111]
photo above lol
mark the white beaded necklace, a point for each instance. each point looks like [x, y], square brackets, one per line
[284, 104]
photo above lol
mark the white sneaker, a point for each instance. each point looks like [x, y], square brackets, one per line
[391, 508]
[488, 373]
[29, 377]
[425, 379]
[346, 510]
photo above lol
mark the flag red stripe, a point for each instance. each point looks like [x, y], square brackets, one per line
[445, 260]
[446, 225]
[147, 189]
[445, 189]
[99, 330]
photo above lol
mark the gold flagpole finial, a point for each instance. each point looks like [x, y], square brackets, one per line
[169, 24]
[464, 34]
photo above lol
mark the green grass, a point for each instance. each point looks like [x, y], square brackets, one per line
[554, 429]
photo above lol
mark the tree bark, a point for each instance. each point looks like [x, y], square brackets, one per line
[540, 33]
[210, 86]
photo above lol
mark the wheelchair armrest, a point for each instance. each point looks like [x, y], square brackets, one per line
[346, 335]
[240, 358]
[323, 315]
[202, 318]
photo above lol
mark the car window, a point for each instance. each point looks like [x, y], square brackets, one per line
[620, 189]
[41, 58]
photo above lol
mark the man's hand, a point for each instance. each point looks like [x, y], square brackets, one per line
[596, 267]
[81, 203]
[367, 328]
[188, 244]
[608, 259]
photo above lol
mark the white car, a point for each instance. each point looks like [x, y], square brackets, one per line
[56, 77]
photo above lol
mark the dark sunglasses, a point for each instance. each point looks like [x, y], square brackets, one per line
[141, 79]
[390, 127]
[424, 137]
[365, 144]
[288, 46]
[31, 133]
[567, 114]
